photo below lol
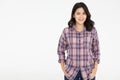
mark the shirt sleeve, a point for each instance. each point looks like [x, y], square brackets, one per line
[95, 47]
[62, 46]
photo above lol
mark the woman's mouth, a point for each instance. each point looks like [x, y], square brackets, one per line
[81, 19]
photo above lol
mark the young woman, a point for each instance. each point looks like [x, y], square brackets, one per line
[80, 42]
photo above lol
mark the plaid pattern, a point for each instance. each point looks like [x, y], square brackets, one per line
[82, 51]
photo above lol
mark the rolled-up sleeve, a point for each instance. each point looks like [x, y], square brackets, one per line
[95, 46]
[62, 46]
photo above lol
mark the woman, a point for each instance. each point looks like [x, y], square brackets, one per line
[80, 41]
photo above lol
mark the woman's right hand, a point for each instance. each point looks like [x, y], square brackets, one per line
[63, 69]
[65, 74]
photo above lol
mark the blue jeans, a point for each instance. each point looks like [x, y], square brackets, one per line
[78, 77]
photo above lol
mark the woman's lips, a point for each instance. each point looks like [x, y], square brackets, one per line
[81, 19]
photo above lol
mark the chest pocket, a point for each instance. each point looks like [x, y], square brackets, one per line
[87, 40]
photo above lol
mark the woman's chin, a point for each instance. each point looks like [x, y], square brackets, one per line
[80, 23]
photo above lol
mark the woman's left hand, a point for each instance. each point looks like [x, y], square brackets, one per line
[93, 73]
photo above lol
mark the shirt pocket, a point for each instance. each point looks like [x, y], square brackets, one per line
[88, 40]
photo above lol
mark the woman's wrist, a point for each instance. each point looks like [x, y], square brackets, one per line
[95, 64]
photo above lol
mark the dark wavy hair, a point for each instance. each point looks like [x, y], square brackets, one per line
[88, 23]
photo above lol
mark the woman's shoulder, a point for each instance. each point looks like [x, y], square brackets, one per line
[66, 29]
[94, 29]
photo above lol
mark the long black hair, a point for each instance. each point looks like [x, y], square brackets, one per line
[88, 23]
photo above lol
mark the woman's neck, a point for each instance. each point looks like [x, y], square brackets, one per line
[79, 27]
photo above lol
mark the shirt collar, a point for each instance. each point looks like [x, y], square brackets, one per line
[78, 31]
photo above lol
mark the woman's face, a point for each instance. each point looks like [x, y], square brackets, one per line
[80, 16]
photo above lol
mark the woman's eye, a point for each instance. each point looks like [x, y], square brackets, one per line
[84, 13]
[78, 13]
[81, 13]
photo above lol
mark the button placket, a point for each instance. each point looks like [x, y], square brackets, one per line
[79, 41]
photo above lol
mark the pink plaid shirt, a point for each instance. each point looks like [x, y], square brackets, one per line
[82, 50]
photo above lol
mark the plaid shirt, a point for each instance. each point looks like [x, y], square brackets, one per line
[82, 50]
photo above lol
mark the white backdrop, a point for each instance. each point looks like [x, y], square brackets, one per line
[30, 30]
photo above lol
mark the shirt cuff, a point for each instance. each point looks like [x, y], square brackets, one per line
[97, 60]
[61, 60]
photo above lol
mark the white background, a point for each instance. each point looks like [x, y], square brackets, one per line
[30, 30]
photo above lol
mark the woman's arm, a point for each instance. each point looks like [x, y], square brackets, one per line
[62, 66]
[95, 47]
[62, 46]
[96, 53]
[94, 71]
[63, 69]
